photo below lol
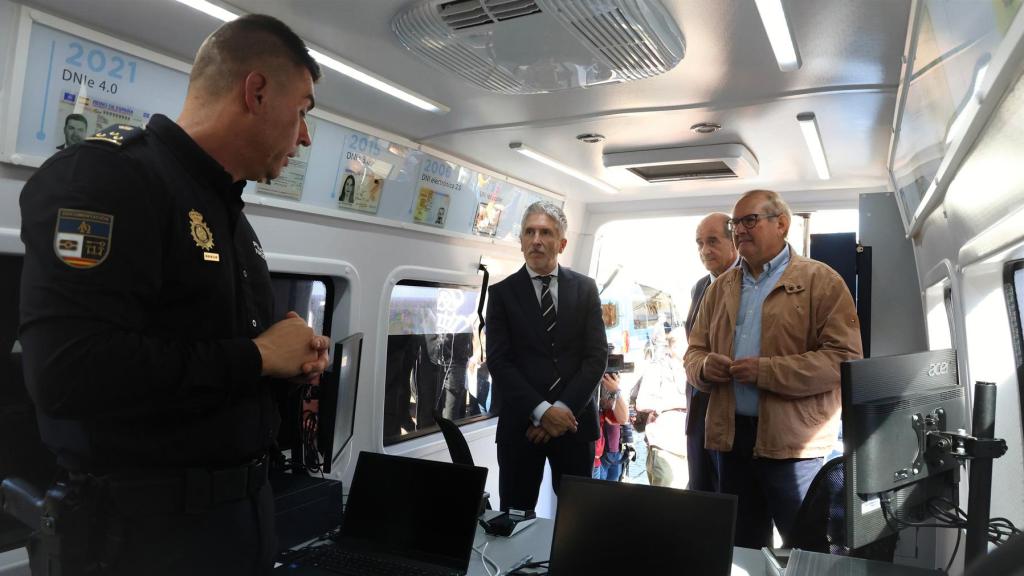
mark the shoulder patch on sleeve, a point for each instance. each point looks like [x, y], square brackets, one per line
[82, 238]
[117, 134]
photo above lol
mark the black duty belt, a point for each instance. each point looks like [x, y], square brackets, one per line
[188, 490]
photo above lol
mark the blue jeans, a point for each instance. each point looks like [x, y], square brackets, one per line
[610, 467]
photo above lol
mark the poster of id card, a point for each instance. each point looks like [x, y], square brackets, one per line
[431, 208]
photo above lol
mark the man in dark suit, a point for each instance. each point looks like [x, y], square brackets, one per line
[718, 253]
[546, 351]
[75, 127]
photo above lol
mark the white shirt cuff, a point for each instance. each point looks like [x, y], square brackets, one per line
[539, 411]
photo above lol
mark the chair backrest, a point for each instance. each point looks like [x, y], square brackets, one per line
[820, 524]
[818, 519]
[458, 448]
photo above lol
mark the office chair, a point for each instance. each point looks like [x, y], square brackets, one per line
[820, 524]
[458, 449]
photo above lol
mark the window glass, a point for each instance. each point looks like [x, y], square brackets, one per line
[434, 363]
[305, 295]
[1018, 288]
[938, 299]
[299, 406]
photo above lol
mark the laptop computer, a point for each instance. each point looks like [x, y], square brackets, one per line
[403, 516]
[606, 527]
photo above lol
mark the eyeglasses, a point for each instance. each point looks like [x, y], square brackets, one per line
[748, 221]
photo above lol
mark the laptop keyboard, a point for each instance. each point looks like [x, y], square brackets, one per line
[334, 559]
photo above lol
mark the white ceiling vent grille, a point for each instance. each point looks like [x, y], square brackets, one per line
[687, 163]
[634, 51]
[462, 14]
[533, 46]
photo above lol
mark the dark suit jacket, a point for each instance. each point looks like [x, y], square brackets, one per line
[697, 400]
[519, 351]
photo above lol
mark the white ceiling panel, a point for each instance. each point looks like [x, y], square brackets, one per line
[850, 50]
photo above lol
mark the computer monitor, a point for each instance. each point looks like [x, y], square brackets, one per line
[890, 404]
[338, 400]
[606, 527]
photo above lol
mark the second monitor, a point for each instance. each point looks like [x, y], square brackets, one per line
[890, 405]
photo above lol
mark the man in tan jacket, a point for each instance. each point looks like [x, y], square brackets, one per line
[766, 346]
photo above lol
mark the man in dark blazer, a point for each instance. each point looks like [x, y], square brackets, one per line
[546, 351]
[718, 254]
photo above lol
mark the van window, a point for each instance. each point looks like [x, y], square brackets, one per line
[938, 301]
[434, 365]
[305, 295]
[1014, 285]
[312, 298]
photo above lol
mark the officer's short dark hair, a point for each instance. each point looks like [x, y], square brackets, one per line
[234, 48]
[77, 117]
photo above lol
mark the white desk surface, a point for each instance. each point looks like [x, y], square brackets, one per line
[536, 540]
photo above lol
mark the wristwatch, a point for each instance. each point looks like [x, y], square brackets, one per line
[613, 395]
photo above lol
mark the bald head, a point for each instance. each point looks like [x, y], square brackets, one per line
[714, 243]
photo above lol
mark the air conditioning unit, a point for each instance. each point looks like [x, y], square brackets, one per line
[686, 163]
[534, 46]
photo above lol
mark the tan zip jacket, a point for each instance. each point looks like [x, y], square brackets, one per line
[809, 325]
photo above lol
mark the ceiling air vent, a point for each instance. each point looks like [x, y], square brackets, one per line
[534, 46]
[463, 14]
[687, 163]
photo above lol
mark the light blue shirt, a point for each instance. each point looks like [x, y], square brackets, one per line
[747, 340]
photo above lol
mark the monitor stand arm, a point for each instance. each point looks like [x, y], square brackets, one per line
[980, 447]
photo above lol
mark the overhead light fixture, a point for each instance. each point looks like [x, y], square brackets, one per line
[547, 160]
[212, 9]
[779, 34]
[335, 63]
[377, 83]
[809, 127]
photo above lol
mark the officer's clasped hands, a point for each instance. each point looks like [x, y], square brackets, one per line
[290, 349]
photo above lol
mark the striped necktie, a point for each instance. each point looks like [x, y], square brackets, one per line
[547, 306]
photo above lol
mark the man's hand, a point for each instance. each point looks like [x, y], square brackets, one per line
[744, 370]
[557, 421]
[610, 382]
[716, 368]
[311, 371]
[537, 435]
[289, 348]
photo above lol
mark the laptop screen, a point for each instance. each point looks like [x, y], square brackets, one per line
[606, 527]
[417, 509]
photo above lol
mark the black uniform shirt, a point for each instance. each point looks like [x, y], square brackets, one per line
[142, 288]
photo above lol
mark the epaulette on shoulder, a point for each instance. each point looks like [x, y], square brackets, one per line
[118, 134]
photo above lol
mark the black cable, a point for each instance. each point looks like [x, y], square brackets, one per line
[537, 564]
[956, 548]
[999, 530]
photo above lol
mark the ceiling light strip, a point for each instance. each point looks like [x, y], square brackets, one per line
[334, 63]
[211, 9]
[780, 35]
[548, 161]
[809, 127]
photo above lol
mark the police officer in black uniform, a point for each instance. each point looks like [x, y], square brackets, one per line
[146, 313]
